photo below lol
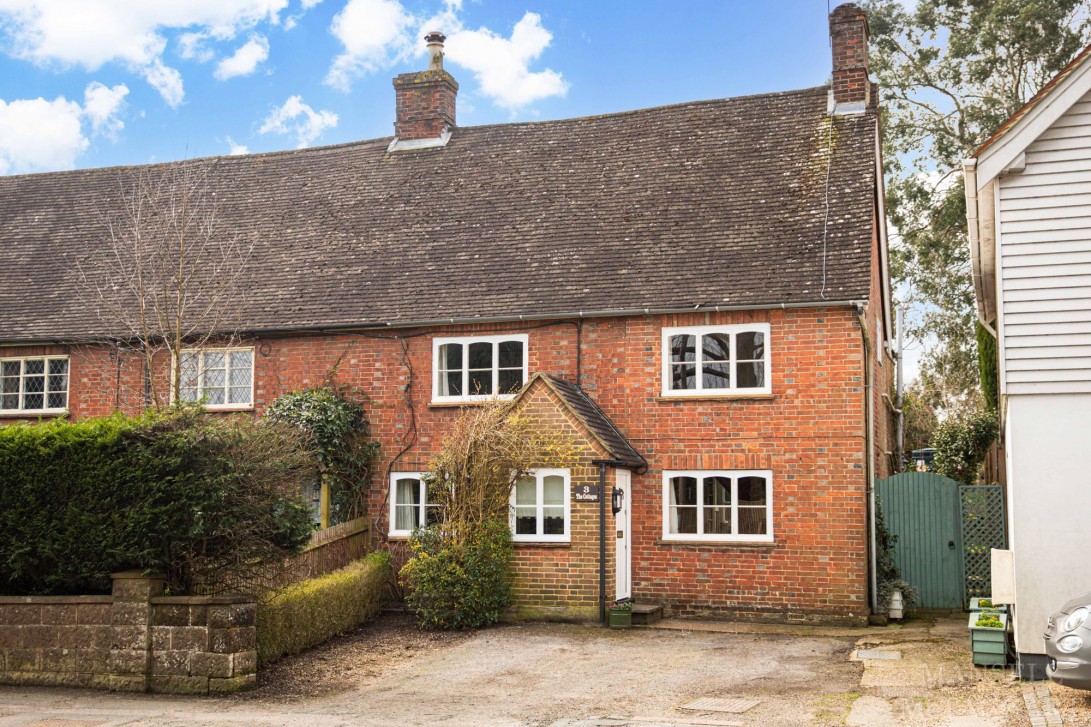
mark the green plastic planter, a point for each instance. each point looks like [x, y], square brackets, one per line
[989, 645]
[621, 618]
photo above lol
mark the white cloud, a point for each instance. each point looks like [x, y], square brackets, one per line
[166, 80]
[245, 60]
[297, 119]
[374, 34]
[37, 135]
[91, 33]
[101, 105]
[194, 47]
[502, 65]
[236, 149]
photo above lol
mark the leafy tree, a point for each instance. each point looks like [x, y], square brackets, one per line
[920, 417]
[952, 71]
[962, 444]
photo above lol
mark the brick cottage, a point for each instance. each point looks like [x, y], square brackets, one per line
[698, 293]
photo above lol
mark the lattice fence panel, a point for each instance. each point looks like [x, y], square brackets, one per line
[982, 530]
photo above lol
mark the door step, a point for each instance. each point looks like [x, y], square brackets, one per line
[645, 614]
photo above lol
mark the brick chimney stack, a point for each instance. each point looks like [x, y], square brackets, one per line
[849, 36]
[426, 99]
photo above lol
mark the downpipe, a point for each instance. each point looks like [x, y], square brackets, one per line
[869, 464]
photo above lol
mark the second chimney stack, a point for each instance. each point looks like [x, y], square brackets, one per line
[849, 37]
[425, 100]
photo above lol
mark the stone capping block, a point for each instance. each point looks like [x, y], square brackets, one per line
[136, 639]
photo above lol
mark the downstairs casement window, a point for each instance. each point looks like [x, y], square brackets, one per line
[409, 506]
[718, 505]
[477, 368]
[35, 384]
[219, 378]
[716, 360]
[540, 507]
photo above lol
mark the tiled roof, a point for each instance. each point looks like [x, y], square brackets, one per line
[596, 421]
[701, 204]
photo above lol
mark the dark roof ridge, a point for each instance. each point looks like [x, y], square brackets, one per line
[385, 140]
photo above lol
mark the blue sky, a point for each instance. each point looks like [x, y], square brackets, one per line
[87, 83]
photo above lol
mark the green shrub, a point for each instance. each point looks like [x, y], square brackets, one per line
[312, 611]
[961, 445]
[339, 430]
[458, 585]
[179, 492]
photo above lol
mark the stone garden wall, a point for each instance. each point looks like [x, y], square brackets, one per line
[133, 640]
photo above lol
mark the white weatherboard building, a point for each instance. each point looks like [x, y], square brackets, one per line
[1028, 194]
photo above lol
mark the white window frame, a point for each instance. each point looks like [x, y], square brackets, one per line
[734, 389]
[522, 338]
[45, 409]
[700, 476]
[424, 505]
[226, 351]
[539, 476]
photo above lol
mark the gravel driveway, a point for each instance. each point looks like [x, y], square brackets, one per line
[390, 673]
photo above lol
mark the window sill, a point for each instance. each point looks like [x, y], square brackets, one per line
[459, 403]
[721, 544]
[228, 409]
[31, 413]
[397, 537]
[673, 398]
[527, 544]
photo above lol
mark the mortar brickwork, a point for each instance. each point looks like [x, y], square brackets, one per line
[132, 640]
[810, 432]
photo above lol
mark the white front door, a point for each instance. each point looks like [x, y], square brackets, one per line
[623, 553]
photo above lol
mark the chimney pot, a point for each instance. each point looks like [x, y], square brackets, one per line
[849, 37]
[435, 50]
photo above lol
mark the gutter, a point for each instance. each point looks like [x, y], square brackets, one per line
[973, 228]
[389, 325]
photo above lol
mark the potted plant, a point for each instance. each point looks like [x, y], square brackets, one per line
[621, 614]
[986, 604]
[989, 638]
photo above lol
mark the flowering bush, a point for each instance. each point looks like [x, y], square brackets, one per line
[961, 446]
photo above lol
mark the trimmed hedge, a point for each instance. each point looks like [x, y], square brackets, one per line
[310, 612]
[176, 492]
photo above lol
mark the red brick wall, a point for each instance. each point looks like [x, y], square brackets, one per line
[424, 104]
[810, 433]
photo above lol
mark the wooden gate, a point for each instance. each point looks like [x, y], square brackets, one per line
[923, 510]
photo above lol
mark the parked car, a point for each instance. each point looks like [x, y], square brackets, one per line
[1068, 644]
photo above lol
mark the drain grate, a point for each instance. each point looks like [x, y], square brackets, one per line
[734, 705]
[880, 655]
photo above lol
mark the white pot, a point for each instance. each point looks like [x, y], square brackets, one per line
[897, 605]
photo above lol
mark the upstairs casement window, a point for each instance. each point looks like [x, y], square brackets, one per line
[721, 505]
[540, 507]
[34, 384]
[716, 360]
[409, 506]
[219, 378]
[477, 368]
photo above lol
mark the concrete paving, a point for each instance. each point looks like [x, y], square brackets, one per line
[578, 676]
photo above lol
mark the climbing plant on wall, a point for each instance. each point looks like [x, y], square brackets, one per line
[336, 422]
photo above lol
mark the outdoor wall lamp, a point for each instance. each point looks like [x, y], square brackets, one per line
[617, 498]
